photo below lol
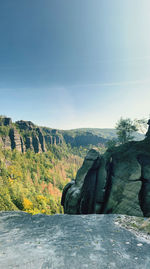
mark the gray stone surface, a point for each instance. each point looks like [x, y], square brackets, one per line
[69, 241]
[116, 182]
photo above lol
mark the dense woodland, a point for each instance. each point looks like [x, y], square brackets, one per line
[33, 182]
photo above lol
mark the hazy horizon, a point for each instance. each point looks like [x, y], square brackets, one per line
[75, 64]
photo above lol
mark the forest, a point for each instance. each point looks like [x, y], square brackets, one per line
[34, 182]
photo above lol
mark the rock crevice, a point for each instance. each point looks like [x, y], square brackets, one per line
[117, 182]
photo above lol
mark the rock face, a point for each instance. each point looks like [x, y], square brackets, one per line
[36, 144]
[41, 140]
[16, 140]
[53, 137]
[64, 241]
[24, 135]
[5, 121]
[25, 125]
[28, 143]
[38, 138]
[117, 182]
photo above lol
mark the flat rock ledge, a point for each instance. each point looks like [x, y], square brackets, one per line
[70, 242]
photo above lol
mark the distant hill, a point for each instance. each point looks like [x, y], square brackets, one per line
[96, 135]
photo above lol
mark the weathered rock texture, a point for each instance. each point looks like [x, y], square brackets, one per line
[16, 140]
[28, 142]
[24, 135]
[69, 242]
[41, 139]
[25, 125]
[5, 121]
[116, 182]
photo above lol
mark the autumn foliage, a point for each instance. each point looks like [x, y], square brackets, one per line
[34, 182]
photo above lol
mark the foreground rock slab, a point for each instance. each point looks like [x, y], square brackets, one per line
[69, 241]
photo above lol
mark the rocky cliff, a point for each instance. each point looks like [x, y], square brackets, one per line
[24, 135]
[116, 182]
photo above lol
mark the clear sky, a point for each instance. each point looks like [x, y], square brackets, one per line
[75, 63]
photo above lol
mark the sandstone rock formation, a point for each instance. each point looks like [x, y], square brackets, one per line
[28, 142]
[36, 144]
[25, 125]
[16, 140]
[5, 121]
[24, 135]
[41, 139]
[53, 136]
[116, 182]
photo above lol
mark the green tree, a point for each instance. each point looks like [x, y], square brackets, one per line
[125, 129]
[141, 125]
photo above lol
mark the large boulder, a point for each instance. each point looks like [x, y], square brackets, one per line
[116, 182]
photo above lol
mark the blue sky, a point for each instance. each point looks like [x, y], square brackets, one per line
[69, 64]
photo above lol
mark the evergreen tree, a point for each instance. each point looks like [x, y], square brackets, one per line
[125, 129]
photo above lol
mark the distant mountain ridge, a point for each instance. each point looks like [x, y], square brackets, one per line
[24, 135]
[107, 133]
